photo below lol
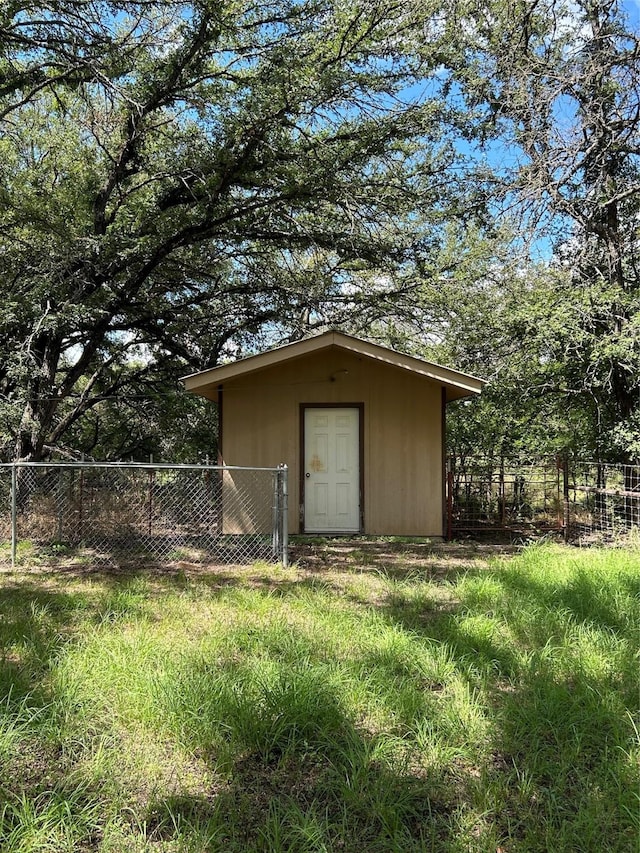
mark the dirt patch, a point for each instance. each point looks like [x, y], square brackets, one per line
[309, 560]
[401, 557]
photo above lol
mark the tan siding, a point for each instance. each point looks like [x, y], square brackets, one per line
[405, 476]
[402, 433]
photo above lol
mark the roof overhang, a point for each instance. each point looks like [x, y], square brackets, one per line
[208, 382]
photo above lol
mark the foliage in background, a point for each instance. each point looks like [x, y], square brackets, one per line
[559, 89]
[182, 180]
[183, 183]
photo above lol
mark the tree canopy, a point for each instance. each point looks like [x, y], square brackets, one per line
[560, 88]
[184, 182]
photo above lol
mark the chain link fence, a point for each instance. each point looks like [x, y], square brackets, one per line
[115, 513]
[583, 502]
[110, 513]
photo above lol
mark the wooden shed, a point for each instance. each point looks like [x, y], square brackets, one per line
[360, 426]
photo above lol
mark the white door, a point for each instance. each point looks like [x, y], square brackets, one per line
[332, 470]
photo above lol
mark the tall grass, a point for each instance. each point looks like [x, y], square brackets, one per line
[368, 708]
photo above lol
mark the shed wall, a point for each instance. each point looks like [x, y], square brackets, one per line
[402, 453]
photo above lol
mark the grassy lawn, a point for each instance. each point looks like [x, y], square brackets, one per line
[388, 698]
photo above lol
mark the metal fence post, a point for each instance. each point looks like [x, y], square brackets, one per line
[60, 504]
[284, 509]
[565, 497]
[503, 495]
[14, 516]
[449, 489]
[150, 506]
[275, 519]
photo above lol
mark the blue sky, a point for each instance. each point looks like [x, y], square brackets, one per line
[632, 8]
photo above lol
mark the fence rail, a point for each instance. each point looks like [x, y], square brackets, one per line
[115, 512]
[582, 501]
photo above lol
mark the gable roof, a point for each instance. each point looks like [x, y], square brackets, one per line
[457, 384]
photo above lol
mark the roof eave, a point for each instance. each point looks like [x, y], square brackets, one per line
[207, 382]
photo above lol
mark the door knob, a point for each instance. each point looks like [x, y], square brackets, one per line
[307, 475]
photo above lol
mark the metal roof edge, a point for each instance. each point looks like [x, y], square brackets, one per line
[436, 372]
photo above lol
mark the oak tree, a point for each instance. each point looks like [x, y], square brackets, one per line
[179, 175]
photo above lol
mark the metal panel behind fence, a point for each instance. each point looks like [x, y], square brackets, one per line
[585, 501]
[109, 513]
[604, 501]
[503, 494]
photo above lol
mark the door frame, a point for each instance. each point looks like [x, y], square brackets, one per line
[303, 409]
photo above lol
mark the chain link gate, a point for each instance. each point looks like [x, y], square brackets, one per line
[120, 512]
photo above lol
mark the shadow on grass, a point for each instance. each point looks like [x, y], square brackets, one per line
[309, 805]
[566, 749]
[300, 775]
[35, 623]
[398, 561]
[587, 597]
[558, 666]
